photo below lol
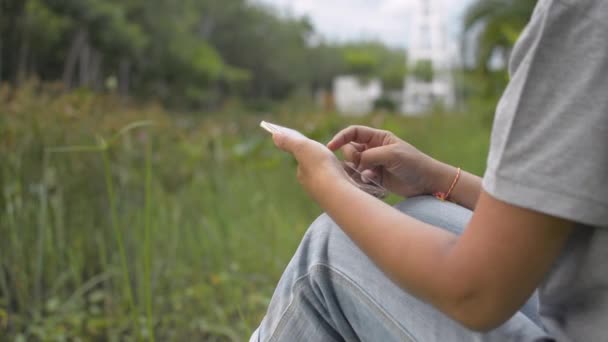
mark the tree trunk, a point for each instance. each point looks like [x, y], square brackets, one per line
[1, 54]
[95, 78]
[123, 76]
[206, 27]
[24, 48]
[69, 68]
[12, 15]
[84, 62]
[2, 17]
[24, 52]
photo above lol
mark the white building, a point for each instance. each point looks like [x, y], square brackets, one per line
[356, 97]
[428, 42]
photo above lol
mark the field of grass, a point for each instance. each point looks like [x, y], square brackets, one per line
[124, 223]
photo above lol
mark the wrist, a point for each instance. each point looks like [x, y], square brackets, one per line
[324, 180]
[442, 177]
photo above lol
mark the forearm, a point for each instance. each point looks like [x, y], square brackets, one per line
[476, 278]
[467, 189]
[414, 254]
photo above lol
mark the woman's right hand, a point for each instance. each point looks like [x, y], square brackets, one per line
[388, 160]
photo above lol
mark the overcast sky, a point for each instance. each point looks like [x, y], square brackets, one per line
[386, 20]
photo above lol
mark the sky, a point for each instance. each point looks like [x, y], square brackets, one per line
[385, 20]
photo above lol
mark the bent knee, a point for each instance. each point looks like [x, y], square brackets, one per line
[428, 209]
[324, 238]
[322, 226]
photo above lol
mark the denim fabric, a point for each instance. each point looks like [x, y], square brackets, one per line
[331, 291]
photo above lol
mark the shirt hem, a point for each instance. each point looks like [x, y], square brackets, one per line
[546, 201]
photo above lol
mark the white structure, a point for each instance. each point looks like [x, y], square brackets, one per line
[356, 97]
[428, 43]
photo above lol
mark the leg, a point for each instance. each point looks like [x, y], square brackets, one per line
[331, 291]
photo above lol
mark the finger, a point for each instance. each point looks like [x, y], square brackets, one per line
[373, 157]
[371, 176]
[352, 152]
[349, 168]
[358, 134]
[280, 141]
[358, 147]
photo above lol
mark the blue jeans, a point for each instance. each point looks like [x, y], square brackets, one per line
[331, 291]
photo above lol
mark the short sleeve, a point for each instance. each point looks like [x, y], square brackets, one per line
[549, 148]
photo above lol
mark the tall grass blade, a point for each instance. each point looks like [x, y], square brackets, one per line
[119, 236]
[147, 240]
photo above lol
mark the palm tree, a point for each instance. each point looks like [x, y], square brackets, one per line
[500, 23]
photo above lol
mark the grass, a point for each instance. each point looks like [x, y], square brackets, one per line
[173, 231]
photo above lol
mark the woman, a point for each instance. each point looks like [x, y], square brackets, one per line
[429, 270]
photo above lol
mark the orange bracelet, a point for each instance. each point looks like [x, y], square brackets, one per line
[444, 195]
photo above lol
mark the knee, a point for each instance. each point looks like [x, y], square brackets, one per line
[322, 239]
[321, 228]
[442, 214]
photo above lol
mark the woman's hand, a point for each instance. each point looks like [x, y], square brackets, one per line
[388, 160]
[317, 165]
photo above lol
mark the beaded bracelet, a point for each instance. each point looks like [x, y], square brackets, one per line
[442, 196]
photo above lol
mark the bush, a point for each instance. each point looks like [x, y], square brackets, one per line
[386, 104]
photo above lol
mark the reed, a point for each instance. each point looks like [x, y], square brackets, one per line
[173, 232]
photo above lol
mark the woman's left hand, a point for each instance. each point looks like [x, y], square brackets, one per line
[317, 165]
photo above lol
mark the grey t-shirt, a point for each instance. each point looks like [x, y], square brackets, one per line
[549, 153]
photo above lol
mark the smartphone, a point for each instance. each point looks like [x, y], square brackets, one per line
[356, 177]
[274, 128]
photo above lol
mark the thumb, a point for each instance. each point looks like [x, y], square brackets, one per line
[282, 141]
[289, 142]
[373, 157]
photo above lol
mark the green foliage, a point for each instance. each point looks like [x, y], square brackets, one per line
[501, 22]
[188, 54]
[386, 104]
[207, 211]
[362, 63]
[370, 59]
[497, 25]
[423, 70]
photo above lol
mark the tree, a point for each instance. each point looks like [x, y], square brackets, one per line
[423, 70]
[185, 53]
[373, 59]
[501, 22]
